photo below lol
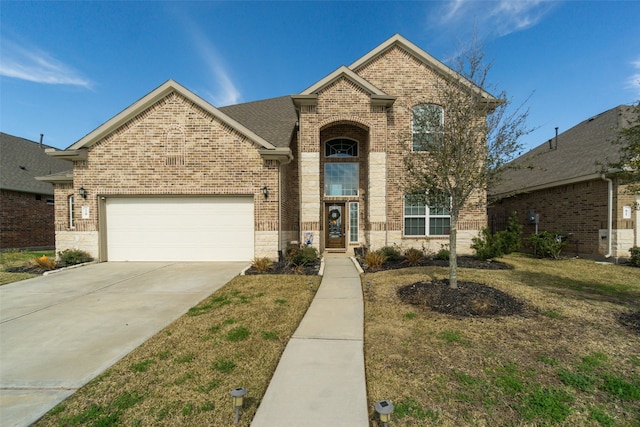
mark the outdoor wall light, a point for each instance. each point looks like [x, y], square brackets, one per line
[83, 193]
[265, 192]
[238, 399]
[384, 408]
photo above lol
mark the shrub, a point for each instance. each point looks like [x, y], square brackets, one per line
[548, 244]
[488, 245]
[307, 255]
[374, 259]
[444, 253]
[635, 256]
[45, 262]
[391, 253]
[261, 264]
[413, 256]
[74, 256]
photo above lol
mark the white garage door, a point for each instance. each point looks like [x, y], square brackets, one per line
[180, 229]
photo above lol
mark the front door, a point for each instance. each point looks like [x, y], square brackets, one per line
[334, 226]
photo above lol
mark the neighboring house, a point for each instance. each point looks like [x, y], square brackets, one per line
[26, 205]
[562, 182]
[174, 178]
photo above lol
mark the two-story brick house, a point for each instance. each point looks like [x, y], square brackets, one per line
[174, 178]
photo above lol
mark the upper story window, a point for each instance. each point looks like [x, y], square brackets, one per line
[426, 126]
[341, 147]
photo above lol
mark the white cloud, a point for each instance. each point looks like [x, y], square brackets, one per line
[35, 65]
[226, 92]
[633, 82]
[491, 18]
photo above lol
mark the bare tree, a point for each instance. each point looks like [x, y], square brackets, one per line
[461, 140]
[628, 166]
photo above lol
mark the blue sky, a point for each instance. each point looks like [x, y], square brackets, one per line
[67, 67]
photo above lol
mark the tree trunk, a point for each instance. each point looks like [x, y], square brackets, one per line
[453, 253]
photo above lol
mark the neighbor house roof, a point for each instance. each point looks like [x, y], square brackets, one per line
[579, 154]
[21, 160]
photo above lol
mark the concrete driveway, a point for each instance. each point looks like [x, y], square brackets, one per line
[59, 331]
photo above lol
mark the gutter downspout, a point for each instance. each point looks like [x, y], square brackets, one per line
[609, 215]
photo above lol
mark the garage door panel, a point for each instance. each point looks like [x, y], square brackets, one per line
[180, 229]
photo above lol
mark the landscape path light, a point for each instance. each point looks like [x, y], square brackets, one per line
[384, 408]
[238, 399]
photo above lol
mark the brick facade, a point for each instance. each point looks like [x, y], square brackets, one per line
[580, 211]
[179, 146]
[26, 220]
[345, 110]
[172, 148]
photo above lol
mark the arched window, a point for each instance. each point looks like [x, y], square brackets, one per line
[426, 126]
[341, 147]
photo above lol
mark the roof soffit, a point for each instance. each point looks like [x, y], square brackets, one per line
[153, 97]
[421, 55]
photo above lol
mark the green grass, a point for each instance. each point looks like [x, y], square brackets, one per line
[566, 361]
[17, 258]
[238, 334]
[223, 365]
[142, 366]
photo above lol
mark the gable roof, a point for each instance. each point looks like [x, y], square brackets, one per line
[153, 97]
[273, 119]
[578, 155]
[21, 160]
[421, 55]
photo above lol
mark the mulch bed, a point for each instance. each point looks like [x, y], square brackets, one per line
[470, 299]
[286, 268]
[631, 321]
[29, 269]
[463, 262]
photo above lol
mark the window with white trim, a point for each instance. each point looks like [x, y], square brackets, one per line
[426, 126]
[426, 216]
[70, 201]
[353, 222]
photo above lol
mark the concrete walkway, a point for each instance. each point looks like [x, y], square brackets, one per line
[320, 380]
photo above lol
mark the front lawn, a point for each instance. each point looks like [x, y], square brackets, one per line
[10, 259]
[566, 360]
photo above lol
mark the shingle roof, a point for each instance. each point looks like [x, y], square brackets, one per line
[273, 119]
[580, 153]
[21, 160]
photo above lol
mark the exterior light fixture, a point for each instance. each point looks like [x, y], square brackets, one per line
[83, 193]
[384, 408]
[265, 192]
[238, 399]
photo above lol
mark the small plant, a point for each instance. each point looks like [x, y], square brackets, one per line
[635, 256]
[444, 253]
[413, 256]
[374, 259]
[262, 264]
[450, 336]
[45, 262]
[547, 244]
[74, 256]
[488, 245]
[391, 253]
[307, 255]
[269, 336]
